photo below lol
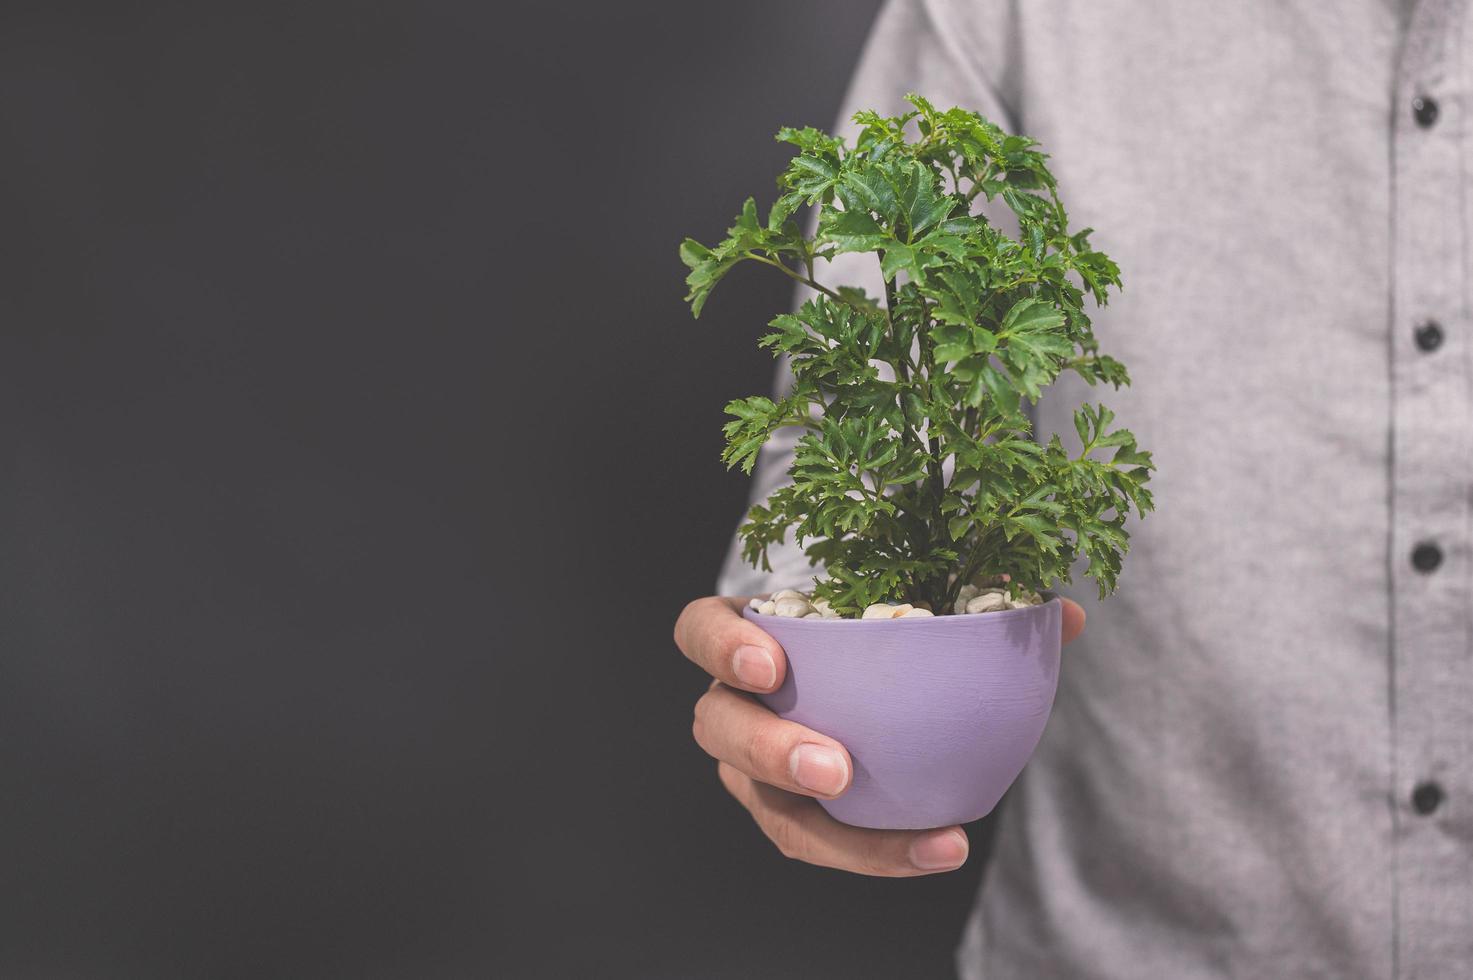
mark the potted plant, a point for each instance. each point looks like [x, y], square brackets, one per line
[929, 645]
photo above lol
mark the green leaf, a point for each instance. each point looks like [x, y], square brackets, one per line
[784, 208]
[812, 177]
[707, 269]
[852, 231]
[868, 188]
[1035, 347]
[1003, 394]
[953, 343]
[922, 205]
[1031, 315]
[959, 294]
[899, 257]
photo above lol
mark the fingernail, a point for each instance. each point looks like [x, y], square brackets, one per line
[938, 852]
[754, 667]
[819, 769]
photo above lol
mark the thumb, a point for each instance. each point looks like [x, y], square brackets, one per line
[1073, 619]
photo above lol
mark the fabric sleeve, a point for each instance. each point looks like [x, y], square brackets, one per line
[922, 46]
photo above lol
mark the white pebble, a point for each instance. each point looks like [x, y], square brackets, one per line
[988, 602]
[822, 607]
[782, 594]
[792, 607]
[897, 611]
[966, 595]
[814, 615]
[767, 608]
[917, 614]
[756, 603]
[880, 610]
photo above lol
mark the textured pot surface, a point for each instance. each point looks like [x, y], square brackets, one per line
[939, 714]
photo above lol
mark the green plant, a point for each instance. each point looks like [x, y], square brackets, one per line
[972, 324]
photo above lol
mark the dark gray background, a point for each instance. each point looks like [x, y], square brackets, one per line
[358, 454]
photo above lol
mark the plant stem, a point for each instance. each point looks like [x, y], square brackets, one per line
[935, 477]
[901, 364]
[908, 435]
[799, 277]
[968, 570]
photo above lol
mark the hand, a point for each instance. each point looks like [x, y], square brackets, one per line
[775, 768]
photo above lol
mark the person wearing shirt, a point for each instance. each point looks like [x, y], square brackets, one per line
[1260, 762]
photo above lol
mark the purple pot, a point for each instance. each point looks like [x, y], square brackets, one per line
[939, 714]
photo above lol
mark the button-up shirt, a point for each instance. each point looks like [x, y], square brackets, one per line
[1260, 761]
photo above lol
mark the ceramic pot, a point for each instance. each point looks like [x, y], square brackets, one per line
[940, 714]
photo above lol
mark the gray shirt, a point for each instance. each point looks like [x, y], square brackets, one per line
[1260, 763]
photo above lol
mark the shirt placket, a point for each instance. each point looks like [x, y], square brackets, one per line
[1431, 482]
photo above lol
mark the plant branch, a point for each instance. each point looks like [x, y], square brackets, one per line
[799, 277]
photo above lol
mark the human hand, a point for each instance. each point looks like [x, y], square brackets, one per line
[775, 768]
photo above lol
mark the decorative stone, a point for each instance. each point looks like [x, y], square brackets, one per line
[897, 611]
[966, 595]
[814, 615]
[880, 610]
[987, 602]
[782, 594]
[917, 613]
[767, 608]
[792, 607]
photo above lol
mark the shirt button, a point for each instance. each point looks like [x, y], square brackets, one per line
[1426, 557]
[1427, 797]
[1424, 110]
[1429, 336]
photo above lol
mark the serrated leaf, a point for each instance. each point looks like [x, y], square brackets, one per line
[1031, 315]
[999, 389]
[922, 205]
[958, 293]
[952, 343]
[871, 190]
[853, 231]
[783, 208]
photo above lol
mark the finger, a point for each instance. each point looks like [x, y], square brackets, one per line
[737, 730]
[713, 634]
[804, 832]
[1073, 619]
